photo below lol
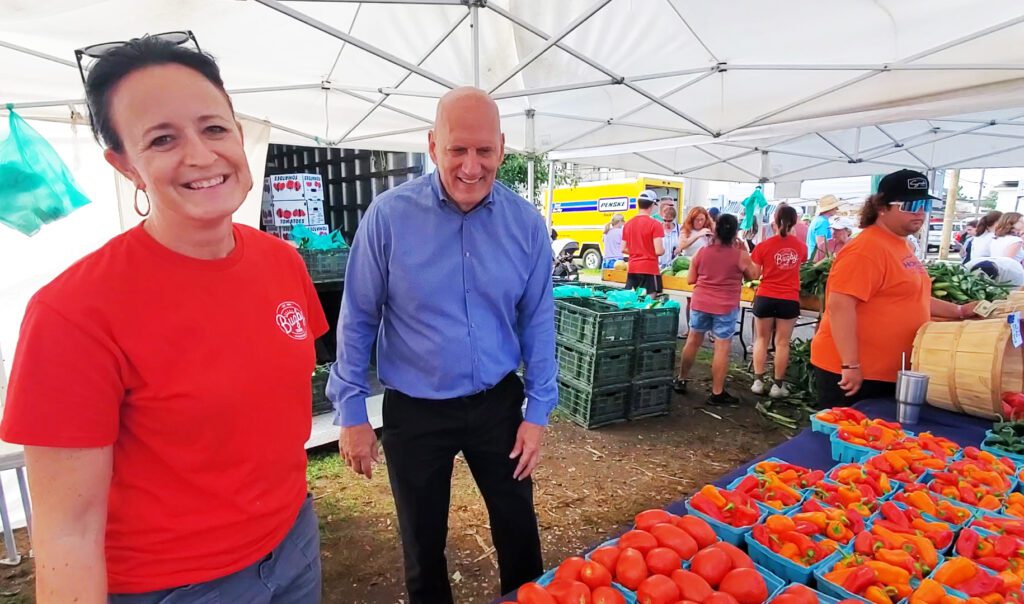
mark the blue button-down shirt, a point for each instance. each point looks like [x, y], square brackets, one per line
[458, 300]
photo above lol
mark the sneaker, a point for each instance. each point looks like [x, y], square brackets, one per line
[779, 390]
[758, 387]
[722, 400]
[679, 385]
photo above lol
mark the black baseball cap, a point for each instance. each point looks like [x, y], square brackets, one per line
[904, 185]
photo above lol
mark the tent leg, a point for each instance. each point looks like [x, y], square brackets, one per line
[947, 220]
[551, 194]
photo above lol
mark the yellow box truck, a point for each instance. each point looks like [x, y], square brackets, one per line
[580, 212]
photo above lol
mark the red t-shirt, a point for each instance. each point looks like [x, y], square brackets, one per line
[197, 372]
[719, 279]
[639, 234]
[780, 259]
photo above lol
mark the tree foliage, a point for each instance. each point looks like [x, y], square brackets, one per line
[513, 173]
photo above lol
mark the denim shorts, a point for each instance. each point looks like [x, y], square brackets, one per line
[721, 326]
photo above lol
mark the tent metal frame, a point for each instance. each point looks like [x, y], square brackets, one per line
[631, 82]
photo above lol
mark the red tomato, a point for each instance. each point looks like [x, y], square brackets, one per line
[698, 528]
[676, 539]
[645, 520]
[594, 575]
[606, 557]
[746, 585]
[630, 569]
[691, 586]
[797, 594]
[719, 598]
[641, 541]
[570, 569]
[569, 592]
[712, 564]
[531, 593]
[738, 557]
[663, 561]
[657, 589]
[606, 595]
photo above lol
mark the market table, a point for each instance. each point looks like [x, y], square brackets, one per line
[813, 450]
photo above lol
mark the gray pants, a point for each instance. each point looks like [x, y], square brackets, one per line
[290, 574]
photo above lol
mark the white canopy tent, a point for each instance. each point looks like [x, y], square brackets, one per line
[571, 74]
[987, 139]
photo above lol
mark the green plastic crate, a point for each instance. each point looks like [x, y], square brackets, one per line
[658, 324]
[650, 397]
[594, 324]
[594, 367]
[593, 407]
[325, 265]
[655, 360]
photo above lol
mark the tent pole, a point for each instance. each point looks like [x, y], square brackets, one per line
[474, 24]
[668, 169]
[947, 220]
[551, 193]
[981, 188]
[531, 149]
[362, 45]
[37, 54]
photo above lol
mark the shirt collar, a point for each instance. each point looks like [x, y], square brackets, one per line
[444, 200]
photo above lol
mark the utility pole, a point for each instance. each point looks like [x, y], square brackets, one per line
[947, 222]
[981, 187]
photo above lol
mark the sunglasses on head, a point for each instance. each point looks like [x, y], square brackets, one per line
[97, 51]
[912, 207]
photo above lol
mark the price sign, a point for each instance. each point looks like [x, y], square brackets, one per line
[1014, 320]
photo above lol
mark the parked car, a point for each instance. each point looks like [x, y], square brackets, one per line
[935, 237]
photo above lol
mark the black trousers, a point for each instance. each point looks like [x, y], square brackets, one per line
[420, 439]
[831, 395]
[652, 283]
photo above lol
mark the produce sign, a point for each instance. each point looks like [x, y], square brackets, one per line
[997, 552]
[920, 498]
[837, 524]
[954, 283]
[792, 539]
[966, 576]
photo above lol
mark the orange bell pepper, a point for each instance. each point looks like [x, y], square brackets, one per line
[778, 523]
[889, 574]
[955, 571]
[877, 595]
[928, 592]
[711, 492]
[921, 501]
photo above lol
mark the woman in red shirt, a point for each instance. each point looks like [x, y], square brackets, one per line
[717, 272]
[161, 384]
[777, 303]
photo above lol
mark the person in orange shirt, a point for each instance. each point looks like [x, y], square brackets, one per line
[878, 295]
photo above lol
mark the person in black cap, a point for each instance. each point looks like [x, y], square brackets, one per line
[878, 295]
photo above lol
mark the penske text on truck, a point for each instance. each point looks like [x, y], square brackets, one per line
[581, 212]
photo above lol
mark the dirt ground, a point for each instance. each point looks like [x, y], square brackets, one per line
[589, 485]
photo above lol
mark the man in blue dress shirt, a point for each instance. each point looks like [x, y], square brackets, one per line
[453, 272]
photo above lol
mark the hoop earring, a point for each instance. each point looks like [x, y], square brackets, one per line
[148, 204]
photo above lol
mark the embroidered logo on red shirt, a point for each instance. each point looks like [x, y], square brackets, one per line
[291, 320]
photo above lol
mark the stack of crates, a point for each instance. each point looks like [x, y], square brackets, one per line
[614, 364]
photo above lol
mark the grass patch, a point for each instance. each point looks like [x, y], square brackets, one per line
[591, 272]
[324, 465]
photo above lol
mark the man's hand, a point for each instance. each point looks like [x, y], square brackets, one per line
[851, 382]
[527, 449]
[968, 309]
[358, 446]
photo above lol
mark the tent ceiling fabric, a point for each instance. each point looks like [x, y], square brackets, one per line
[593, 73]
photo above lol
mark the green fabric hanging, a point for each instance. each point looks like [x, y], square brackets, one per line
[36, 186]
[752, 207]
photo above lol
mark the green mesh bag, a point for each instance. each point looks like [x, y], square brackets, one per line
[35, 185]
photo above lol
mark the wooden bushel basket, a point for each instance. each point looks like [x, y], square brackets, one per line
[969, 365]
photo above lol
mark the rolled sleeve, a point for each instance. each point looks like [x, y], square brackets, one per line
[366, 278]
[536, 327]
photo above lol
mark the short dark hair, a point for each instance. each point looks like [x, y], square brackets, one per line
[726, 228]
[644, 204]
[785, 219]
[118, 63]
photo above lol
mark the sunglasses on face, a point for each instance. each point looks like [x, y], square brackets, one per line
[97, 51]
[913, 207]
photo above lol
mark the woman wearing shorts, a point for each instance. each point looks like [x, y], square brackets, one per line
[717, 272]
[777, 303]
